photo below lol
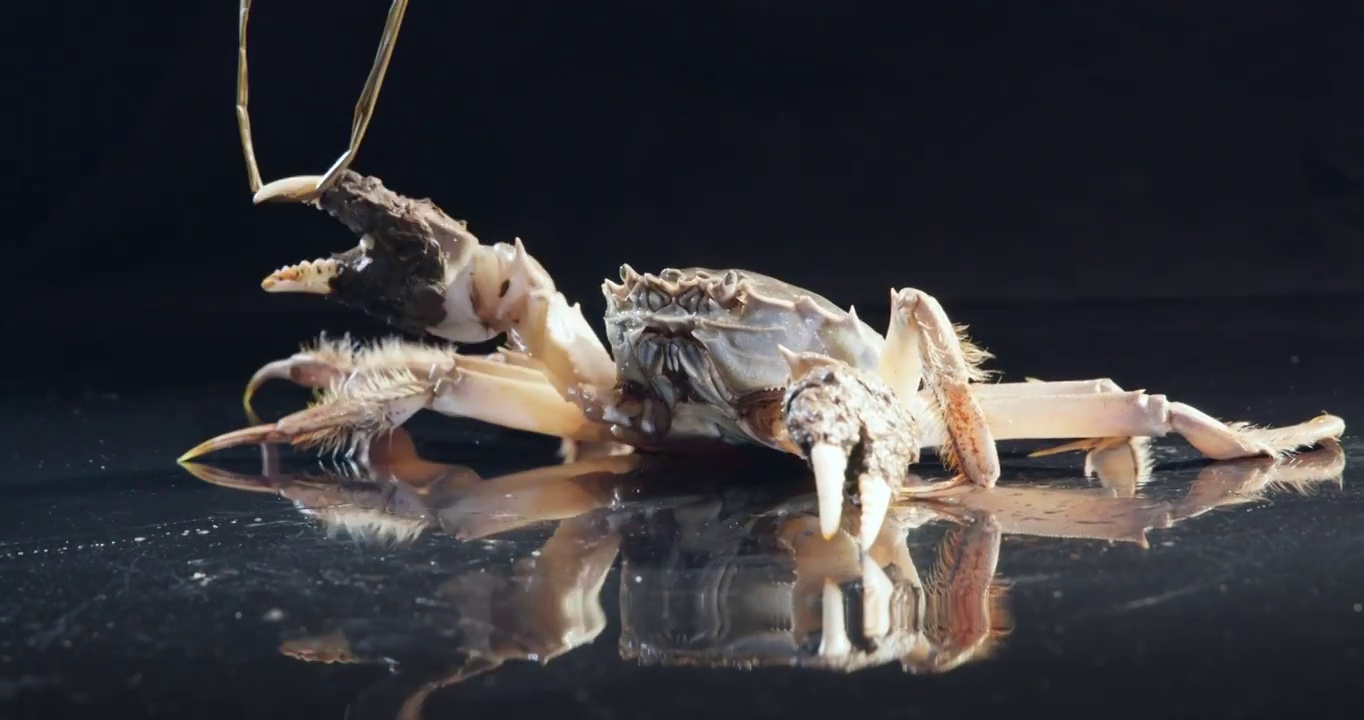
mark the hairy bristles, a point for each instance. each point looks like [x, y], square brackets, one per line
[355, 408]
[373, 386]
[949, 608]
[975, 356]
[388, 352]
[369, 525]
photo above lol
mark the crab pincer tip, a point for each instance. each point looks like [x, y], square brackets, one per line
[829, 464]
[290, 189]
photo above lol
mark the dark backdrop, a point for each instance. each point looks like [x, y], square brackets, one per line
[992, 152]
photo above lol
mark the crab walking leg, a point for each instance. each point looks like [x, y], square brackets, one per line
[308, 188]
[1137, 414]
[1034, 388]
[327, 361]
[1121, 463]
[362, 405]
[922, 343]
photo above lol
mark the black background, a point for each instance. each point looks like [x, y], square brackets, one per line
[991, 151]
[1032, 164]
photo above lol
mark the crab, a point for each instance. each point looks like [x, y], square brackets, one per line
[698, 358]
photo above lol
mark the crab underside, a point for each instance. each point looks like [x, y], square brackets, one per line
[697, 357]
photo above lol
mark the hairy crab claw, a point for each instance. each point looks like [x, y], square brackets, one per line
[393, 274]
[859, 438]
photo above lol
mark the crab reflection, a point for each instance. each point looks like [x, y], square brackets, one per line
[714, 572]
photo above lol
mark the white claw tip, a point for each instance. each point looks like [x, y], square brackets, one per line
[877, 591]
[830, 465]
[309, 276]
[836, 642]
[875, 496]
[291, 189]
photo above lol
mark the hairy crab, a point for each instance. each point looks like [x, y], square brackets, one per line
[696, 357]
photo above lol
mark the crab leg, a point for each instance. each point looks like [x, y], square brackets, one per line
[1102, 411]
[328, 361]
[922, 344]
[366, 397]
[1137, 414]
[1034, 388]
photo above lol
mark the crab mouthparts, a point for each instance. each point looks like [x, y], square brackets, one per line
[309, 276]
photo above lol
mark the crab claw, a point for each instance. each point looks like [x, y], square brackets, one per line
[300, 188]
[851, 425]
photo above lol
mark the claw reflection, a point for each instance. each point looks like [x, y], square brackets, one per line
[720, 571]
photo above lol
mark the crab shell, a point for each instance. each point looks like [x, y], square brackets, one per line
[699, 352]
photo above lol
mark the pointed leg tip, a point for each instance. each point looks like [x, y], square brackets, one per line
[1335, 423]
[253, 435]
[207, 473]
[197, 451]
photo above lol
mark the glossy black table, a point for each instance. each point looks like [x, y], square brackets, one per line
[458, 577]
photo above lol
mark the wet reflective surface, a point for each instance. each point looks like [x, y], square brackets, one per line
[461, 573]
